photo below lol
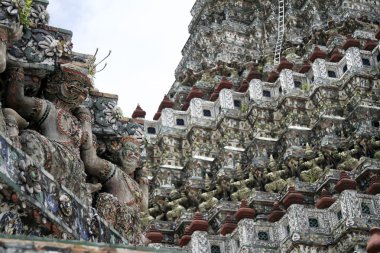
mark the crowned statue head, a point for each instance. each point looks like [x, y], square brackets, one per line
[128, 154]
[68, 86]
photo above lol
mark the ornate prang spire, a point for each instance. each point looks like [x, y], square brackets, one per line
[317, 54]
[284, 64]
[253, 74]
[345, 183]
[198, 223]
[293, 197]
[325, 200]
[228, 225]
[244, 211]
[165, 103]
[138, 112]
[276, 213]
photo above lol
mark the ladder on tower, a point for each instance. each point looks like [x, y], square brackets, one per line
[280, 31]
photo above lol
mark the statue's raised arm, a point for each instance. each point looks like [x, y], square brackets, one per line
[29, 108]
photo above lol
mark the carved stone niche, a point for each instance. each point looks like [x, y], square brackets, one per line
[164, 179]
[196, 173]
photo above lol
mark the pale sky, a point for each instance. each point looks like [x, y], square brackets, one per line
[146, 38]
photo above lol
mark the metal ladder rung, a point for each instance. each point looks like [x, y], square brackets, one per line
[280, 31]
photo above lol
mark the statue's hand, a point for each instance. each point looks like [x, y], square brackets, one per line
[93, 187]
[12, 114]
[16, 74]
[15, 33]
[143, 181]
[83, 114]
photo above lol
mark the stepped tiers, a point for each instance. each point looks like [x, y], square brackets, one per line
[230, 33]
[300, 141]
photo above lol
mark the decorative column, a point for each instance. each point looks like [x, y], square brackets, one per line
[353, 58]
[255, 89]
[245, 216]
[319, 69]
[286, 80]
[350, 206]
[298, 222]
[167, 117]
[199, 242]
[246, 229]
[226, 99]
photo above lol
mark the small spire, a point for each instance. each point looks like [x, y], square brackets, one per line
[138, 112]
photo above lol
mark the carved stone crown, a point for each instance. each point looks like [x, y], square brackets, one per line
[130, 139]
[73, 72]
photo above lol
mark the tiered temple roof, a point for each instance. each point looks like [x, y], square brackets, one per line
[242, 128]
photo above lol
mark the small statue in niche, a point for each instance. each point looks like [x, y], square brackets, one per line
[347, 162]
[176, 212]
[164, 179]
[258, 179]
[197, 171]
[229, 161]
[169, 179]
[272, 165]
[191, 198]
[223, 187]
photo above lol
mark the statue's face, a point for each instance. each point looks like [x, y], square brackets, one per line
[129, 156]
[68, 87]
[74, 92]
